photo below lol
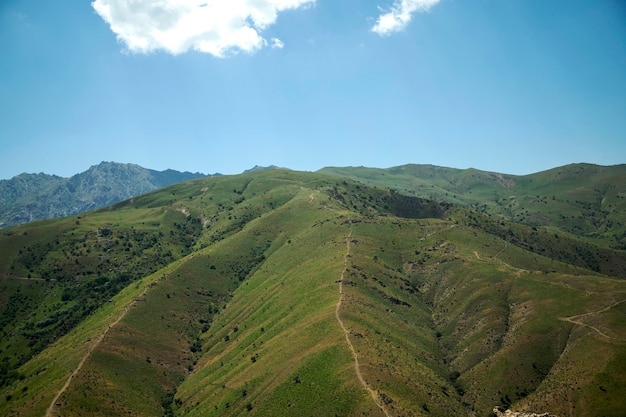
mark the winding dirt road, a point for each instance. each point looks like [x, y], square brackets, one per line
[577, 320]
[357, 366]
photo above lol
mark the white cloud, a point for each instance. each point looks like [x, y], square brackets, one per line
[277, 43]
[217, 27]
[400, 15]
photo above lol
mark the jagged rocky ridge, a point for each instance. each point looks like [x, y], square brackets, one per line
[29, 197]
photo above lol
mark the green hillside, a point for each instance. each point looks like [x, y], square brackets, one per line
[278, 293]
[585, 200]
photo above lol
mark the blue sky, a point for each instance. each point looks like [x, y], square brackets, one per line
[515, 86]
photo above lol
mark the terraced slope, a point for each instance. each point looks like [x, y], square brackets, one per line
[299, 294]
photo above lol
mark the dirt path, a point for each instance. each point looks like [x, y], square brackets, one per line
[506, 245]
[518, 271]
[577, 320]
[357, 366]
[439, 231]
[92, 347]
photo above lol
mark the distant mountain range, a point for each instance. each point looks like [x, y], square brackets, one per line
[29, 197]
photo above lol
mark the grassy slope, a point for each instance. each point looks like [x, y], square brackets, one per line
[585, 200]
[81, 262]
[276, 347]
[496, 327]
[445, 316]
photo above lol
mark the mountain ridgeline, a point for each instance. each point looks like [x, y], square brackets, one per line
[585, 200]
[284, 293]
[29, 197]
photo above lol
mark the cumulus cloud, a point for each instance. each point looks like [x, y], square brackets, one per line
[400, 15]
[217, 27]
[277, 43]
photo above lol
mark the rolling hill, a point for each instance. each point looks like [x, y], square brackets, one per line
[278, 292]
[29, 197]
[586, 200]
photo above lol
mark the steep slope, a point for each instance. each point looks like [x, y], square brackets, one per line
[29, 197]
[583, 199]
[301, 294]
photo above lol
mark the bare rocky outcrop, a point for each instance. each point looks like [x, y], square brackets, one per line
[499, 412]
